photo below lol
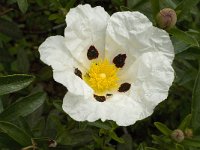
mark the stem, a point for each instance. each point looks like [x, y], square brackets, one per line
[125, 130]
[6, 11]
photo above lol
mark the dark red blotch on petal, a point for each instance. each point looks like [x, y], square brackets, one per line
[108, 94]
[119, 60]
[124, 87]
[92, 53]
[78, 73]
[100, 98]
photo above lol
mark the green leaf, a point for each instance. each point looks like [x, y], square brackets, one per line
[114, 136]
[70, 4]
[192, 142]
[1, 106]
[179, 147]
[12, 83]
[10, 29]
[40, 2]
[185, 6]
[179, 46]
[191, 54]
[141, 147]
[185, 123]
[124, 8]
[53, 16]
[23, 5]
[163, 128]
[183, 36]
[127, 145]
[150, 148]
[8, 142]
[136, 4]
[58, 105]
[155, 7]
[100, 124]
[22, 61]
[74, 137]
[15, 133]
[25, 126]
[169, 3]
[53, 122]
[196, 103]
[23, 107]
[157, 139]
[117, 2]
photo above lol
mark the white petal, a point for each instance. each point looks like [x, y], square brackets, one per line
[120, 108]
[133, 34]
[73, 83]
[54, 53]
[161, 42]
[153, 76]
[86, 26]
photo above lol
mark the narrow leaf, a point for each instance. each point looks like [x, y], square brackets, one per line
[25, 126]
[23, 107]
[185, 123]
[196, 103]
[15, 133]
[157, 140]
[127, 145]
[169, 3]
[150, 148]
[183, 36]
[1, 106]
[179, 147]
[155, 7]
[192, 142]
[100, 124]
[7, 141]
[141, 147]
[185, 6]
[139, 3]
[70, 4]
[74, 137]
[12, 83]
[10, 29]
[23, 5]
[114, 136]
[163, 128]
[179, 46]
[58, 105]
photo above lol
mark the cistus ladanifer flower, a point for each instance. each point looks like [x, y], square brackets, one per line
[115, 67]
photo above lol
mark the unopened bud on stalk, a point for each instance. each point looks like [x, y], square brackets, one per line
[166, 18]
[177, 135]
[188, 133]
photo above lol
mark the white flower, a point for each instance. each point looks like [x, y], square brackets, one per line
[115, 67]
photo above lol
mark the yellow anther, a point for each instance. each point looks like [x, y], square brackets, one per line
[102, 77]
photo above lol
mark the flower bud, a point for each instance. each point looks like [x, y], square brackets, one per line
[166, 18]
[177, 135]
[188, 133]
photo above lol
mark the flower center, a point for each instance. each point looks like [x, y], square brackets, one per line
[102, 77]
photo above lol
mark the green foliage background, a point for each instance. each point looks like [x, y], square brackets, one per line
[31, 116]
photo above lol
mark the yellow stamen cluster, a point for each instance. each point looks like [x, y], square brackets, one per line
[102, 77]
